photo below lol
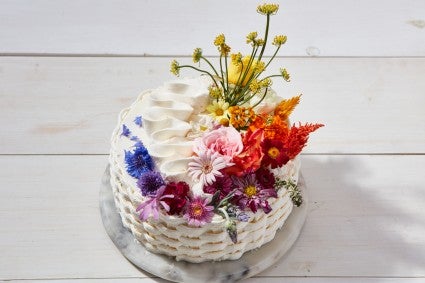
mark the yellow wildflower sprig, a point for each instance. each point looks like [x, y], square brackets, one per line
[244, 82]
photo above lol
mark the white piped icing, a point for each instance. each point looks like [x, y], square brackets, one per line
[167, 134]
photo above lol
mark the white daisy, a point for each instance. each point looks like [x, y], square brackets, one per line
[206, 167]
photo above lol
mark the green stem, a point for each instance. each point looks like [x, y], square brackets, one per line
[262, 98]
[271, 59]
[265, 37]
[227, 73]
[209, 63]
[222, 74]
[199, 70]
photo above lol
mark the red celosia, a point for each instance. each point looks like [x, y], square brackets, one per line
[274, 153]
[297, 138]
[179, 191]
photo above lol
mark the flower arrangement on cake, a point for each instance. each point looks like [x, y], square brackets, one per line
[242, 143]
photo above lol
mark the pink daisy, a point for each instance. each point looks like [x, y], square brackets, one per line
[206, 167]
[198, 212]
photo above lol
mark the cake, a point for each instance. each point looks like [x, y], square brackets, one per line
[206, 168]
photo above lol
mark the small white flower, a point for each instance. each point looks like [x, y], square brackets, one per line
[206, 167]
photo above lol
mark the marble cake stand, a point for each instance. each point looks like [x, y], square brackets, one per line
[166, 267]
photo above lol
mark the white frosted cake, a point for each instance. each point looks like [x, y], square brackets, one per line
[206, 168]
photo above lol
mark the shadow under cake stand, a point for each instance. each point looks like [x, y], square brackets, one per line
[251, 263]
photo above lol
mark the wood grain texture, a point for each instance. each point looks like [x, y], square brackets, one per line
[70, 105]
[145, 27]
[365, 220]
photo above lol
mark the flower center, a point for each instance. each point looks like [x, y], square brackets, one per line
[207, 168]
[197, 210]
[250, 191]
[273, 152]
[219, 112]
[203, 128]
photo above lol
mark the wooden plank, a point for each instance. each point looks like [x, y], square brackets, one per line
[57, 105]
[331, 28]
[365, 220]
[250, 280]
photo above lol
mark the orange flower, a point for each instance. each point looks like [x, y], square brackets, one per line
[297, 138]
[249, 160]
[274, 126]
[286, 106]
[240, 116]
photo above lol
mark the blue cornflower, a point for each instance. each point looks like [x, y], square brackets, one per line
[125, 131]
[138, 121]
[139, 161]
[150, 182]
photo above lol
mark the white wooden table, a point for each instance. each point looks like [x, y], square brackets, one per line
[68, 67]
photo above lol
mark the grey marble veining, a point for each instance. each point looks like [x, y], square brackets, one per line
[248, 265]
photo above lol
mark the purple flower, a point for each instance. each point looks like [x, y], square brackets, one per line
[222, 185]
[152, 206]
[251, 194]
[138, 162]
[198, 212]
[125, 131]
[149, 182]
[138, 121]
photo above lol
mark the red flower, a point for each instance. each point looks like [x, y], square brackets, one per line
[297, 138]
[179, 192]
[274, 153]
[249, 160]
[265, 178]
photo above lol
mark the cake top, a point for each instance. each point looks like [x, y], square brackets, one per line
[215, 148]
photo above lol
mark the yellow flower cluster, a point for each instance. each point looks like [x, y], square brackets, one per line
[285, 75]
[268, 9]
[279, 40]
[197, 54]
[220, 42]
[174, 67]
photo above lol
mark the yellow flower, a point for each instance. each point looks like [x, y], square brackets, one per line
[236, 58]
[174, 68]
[224, 49]
[279, 40]
[285, 75]
[254, 86]
[259, 42]
[197, 53]
[219, 40]
[251, 37]
[218, 109]
[237, 70]
[268, 9]
[215, 92]
[267, 82]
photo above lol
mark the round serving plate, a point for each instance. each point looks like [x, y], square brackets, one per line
[251, 263]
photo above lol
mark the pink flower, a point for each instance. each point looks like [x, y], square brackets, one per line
[226, 141]
[151, 206]
[206, 167]
[198, 212]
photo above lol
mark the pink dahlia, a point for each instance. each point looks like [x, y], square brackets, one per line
[198, 212]
[226, 141]
[206, 167]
